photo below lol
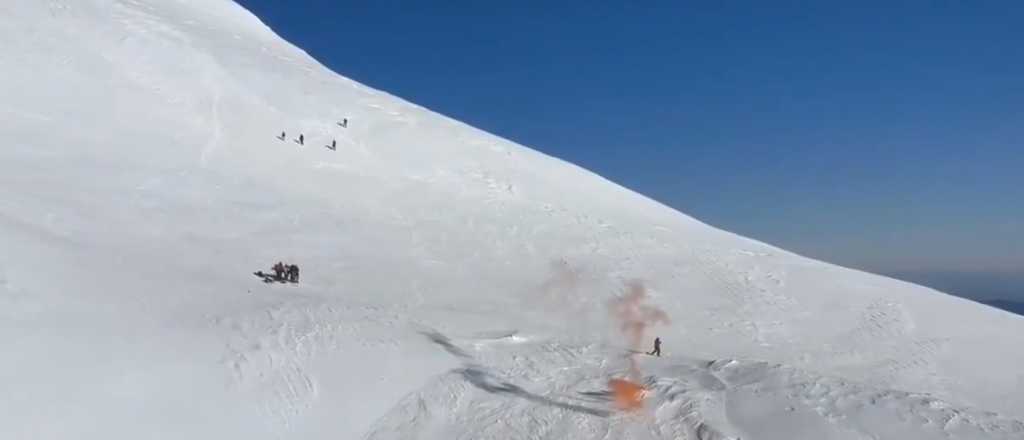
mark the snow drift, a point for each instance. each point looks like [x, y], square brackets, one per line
[141, 184]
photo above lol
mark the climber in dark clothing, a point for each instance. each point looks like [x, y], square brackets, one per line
[278, 270]
[302, 140]
[657, 348]
[293, 273]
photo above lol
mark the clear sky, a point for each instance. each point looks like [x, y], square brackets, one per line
[886, 136]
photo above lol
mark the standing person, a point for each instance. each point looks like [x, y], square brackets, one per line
[283, 136]
[293, 273]
[302, 140]
[344, 123]
[278, 270]
[657, 347]
[334, 144]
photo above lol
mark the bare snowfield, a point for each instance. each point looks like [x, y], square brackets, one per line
[454, 285]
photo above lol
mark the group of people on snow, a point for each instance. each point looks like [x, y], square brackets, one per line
[301, 140]
[290, 272]
[286, 272]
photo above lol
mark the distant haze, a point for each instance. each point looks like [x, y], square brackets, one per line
[973, 285]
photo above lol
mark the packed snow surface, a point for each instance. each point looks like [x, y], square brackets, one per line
[454, 285]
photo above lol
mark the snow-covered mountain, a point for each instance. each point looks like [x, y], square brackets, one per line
[1010, 306]
[453, 284]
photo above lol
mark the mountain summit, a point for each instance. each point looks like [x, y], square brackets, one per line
[453, 284]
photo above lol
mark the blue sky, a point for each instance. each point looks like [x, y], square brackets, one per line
[884, 137]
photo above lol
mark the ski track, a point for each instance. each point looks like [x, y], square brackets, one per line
[216, 131]
[759, 308]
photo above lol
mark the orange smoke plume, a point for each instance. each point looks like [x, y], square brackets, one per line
[634, 318]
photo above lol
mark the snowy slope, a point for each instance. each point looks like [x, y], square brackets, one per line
[454, 284]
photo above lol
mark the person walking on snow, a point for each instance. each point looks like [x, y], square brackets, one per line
[657, 347]
[302, 140]
[278, 270]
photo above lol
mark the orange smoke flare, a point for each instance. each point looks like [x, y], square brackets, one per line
[634, 318]
[628, 396]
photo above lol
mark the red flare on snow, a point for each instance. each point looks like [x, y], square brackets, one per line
[628, 396]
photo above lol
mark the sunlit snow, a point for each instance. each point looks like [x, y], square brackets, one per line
[454, 285]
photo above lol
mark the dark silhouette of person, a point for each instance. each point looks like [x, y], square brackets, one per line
[278, 270]
[293, 273]
[344, 123]
[282, 136]
[334, 144]
[657, 348]
[302, 140]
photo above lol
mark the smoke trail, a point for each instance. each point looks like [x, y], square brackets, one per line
[634, 318]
